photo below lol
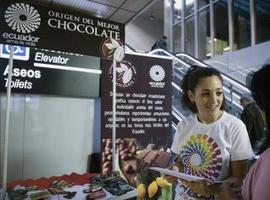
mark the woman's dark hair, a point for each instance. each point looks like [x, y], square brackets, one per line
[191, 80]
[259, 83]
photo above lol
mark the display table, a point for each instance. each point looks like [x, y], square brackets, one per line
[75, 184]
[45, 183]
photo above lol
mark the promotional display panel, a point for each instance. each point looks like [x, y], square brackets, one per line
[27, 24]
[143, 109]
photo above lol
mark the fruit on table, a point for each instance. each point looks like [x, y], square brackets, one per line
[152, 189]
[162, 182]
[141, 191]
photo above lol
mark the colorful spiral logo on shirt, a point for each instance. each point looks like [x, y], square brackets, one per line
[22, 18]
[201, 156]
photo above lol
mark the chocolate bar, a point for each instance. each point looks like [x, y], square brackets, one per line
[142, 154]
[150, 157]
[100, 194]
[40, 195]
[151, 147]
[162, 160]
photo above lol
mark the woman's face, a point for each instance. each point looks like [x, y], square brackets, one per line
[208, 95]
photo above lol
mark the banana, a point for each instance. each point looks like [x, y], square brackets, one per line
[152, 189]
[162, 182]
[141, 191]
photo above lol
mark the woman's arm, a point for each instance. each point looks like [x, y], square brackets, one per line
[231, 188]
[239, 170]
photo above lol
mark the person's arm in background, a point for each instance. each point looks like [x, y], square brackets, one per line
[259, 124]
[247, 118]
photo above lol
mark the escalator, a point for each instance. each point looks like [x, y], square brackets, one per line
[181, 63]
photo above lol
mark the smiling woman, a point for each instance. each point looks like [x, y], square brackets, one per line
[210, 143]
[198, 78]
[208, 98]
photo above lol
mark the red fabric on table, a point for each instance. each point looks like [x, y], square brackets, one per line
[76, 179]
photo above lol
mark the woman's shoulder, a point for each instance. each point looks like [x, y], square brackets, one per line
[231, 120]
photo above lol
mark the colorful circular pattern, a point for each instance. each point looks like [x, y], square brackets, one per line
[201, 157]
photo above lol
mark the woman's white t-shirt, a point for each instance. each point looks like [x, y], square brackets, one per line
[206, 150]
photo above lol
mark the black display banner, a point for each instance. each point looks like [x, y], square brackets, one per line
[25, 24]
[40, 71]
[143, 98]
[143, 110]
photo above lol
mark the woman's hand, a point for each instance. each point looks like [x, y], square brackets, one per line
[231, 187]
[228, 192]
[203, 187]
[172, 179]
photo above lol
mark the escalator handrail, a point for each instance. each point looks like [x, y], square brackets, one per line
[201, 63]
[224, 76]
[240, 86]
